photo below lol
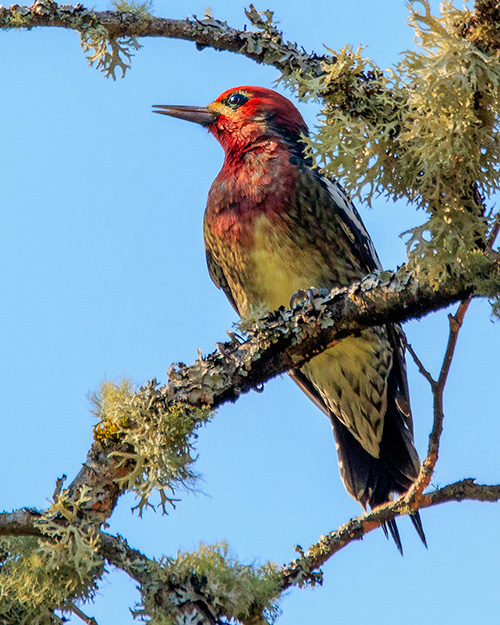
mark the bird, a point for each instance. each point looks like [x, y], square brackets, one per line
[274, 226]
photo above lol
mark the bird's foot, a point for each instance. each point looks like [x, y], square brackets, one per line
[309, 295]
[236, 339]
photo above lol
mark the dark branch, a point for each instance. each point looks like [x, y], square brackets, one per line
[264, 46]
[287, 339]
[415, 493]
[88, 620]
[421, 367]
[461, 491]
[19, 523]
[456, 322]
[117, 552]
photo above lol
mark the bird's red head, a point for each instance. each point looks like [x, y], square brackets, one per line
[243, 116]
[249, 114]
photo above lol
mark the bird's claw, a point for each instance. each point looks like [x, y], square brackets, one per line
[236, 339]
[309, 295]
[296, 297]
[221, 348]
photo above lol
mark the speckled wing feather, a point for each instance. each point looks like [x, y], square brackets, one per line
[324, 211]
[360, 383]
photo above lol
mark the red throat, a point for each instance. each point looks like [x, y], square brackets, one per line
[260, 132]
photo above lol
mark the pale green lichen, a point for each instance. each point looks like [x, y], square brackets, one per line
[39, 575]
[141, 10]
[19, 17]
[305, 573]
[454, 93]
[109, 406]
[18, 20]
[29, 590]
[248, 322]
[157, 440]
[213, 577]
[69, 539]
[426, 130]
[107, 54]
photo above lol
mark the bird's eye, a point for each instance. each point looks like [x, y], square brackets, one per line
[236, 99]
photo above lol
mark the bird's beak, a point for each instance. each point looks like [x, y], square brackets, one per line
[197, 114]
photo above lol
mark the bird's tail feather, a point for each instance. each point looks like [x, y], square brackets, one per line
[391, 526]
[417, 524]
[371, 480]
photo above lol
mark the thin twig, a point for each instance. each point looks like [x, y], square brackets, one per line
[420, 365]
[300, 570]
[88, 620]
[456, 322]
[116, 551]
[495, 229]
[414, 495]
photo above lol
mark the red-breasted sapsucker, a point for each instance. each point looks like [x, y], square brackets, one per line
[274, 226]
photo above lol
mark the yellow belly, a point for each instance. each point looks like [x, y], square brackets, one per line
[350, 377]
[279, 268]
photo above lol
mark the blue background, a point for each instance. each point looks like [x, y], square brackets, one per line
[103, 274]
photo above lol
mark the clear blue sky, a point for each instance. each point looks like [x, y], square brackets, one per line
[103, 274]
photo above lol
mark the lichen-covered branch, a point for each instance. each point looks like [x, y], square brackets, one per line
[426, 130]
[264, 45]
[136, 429]
[144, 439]
[286, 339]
[192, 595]
[88, 620]
[305, 569]
[299, 571]
[413, 499]
[143, 443]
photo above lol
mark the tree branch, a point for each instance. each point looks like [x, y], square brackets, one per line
[117, 552]
[281, 341]
[265, 46]
[287, 339]
[19, 523]
[88, 620]
[415, 492]
[375, 300]
[299, 570]
[276, 343]
[420, 365]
